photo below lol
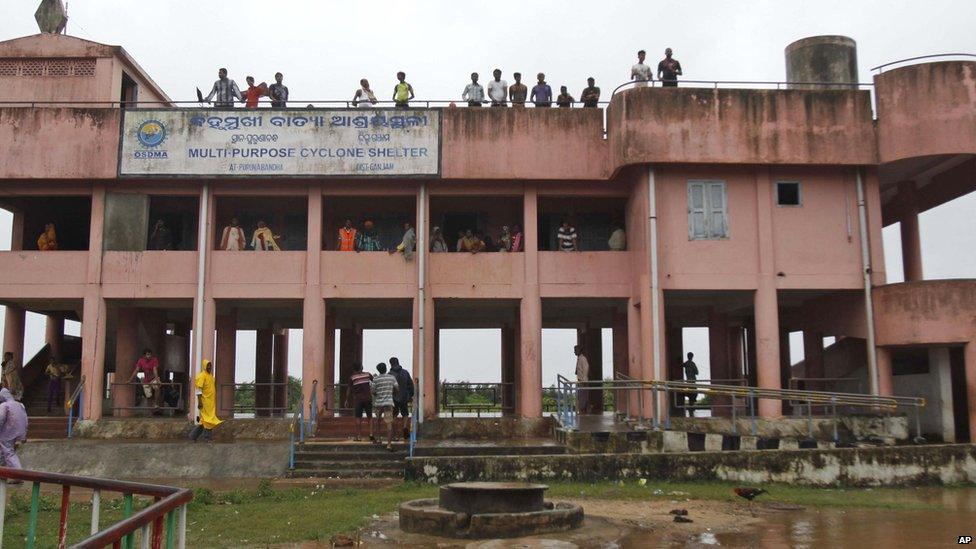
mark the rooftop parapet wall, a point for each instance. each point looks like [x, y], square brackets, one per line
[517, 143]
[926, 109]
[929, 312]
[59, 143]
[740, 126]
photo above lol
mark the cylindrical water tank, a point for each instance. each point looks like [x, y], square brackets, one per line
[830, 60]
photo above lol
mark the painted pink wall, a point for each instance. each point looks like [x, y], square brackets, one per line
[926, 109]
[483, 275]
[58, 143]
[929, 312]
[367, 274]
[42, 274]
[523, 144]
[739, 126]
[585, 274]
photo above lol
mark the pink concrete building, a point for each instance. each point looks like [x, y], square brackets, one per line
[752, 212]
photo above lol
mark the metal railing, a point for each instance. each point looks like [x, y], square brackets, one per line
[743, 84]
[78, 395]
[157, 402]
[493, 397]
[264, 393]
[164, 520]
[296, 432]
[744, 397]
[880, 68]
[313, 409]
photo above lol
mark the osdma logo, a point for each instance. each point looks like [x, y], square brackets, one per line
[151, 135]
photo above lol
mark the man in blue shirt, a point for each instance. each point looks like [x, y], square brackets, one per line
[541, 93]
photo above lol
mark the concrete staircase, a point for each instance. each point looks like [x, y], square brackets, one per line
[47, 428]
[323, 459]
[332, 428]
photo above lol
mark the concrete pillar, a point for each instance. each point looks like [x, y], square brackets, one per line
[54, 334]
[969, 357]
[263, 359]
[280, 372]
[785, 365]
[225, 364]
[620, 362]
[529, 399]
[509, 351]
[813, 355]
[127, 351]
[911, 244]
[93, 313]
[718, 345]
[437, 372]
[429, 340]
[350, 352]
[767, 346]
[17, 232]
[313, 307]
[591, 341]
[634, 355]
[885, 382]
[736, 336]
[13, 333]
[326, 384]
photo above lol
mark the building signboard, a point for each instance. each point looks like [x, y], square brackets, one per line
[290, 142]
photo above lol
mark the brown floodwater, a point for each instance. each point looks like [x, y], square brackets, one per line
[839, 527]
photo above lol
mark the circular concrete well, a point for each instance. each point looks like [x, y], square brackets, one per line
[489, 510]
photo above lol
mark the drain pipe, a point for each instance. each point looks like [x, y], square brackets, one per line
[421, 296]
[862, 218]
[202, 232]
[652, 251]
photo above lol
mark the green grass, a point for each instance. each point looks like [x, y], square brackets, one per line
[269, 516]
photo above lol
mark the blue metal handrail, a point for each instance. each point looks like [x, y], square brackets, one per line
[77, 396]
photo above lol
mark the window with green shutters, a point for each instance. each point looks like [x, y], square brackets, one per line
[707, 210]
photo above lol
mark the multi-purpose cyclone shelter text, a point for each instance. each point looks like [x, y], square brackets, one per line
[307, 142]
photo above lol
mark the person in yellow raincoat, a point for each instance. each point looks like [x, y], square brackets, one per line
[206, 404]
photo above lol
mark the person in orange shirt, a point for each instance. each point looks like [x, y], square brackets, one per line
[48, 241]
[347, 237]
[253, 93]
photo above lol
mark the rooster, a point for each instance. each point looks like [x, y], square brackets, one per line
[749, 493]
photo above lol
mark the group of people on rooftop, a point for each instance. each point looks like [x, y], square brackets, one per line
[226, 94]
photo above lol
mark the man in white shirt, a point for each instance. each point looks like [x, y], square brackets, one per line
[474, 94]
[640, 72]
[618, 239]
[498, 90]
[232, 239]
[582, 376]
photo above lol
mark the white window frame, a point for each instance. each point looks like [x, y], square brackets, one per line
[799, 194]
[708, 210]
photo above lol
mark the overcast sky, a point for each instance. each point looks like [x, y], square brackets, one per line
[325, 47]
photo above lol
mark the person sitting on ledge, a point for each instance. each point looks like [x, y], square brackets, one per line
[517, 239]
[48, 241]
[347, 237]
[473, 93]
[161, 237]
[367, 240]
[505, 240]
[564, 100]
[471, 243]
[264, 239]
[407, 244]
[437, 242]
[233, 239]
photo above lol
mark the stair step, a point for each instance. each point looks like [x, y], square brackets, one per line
[349, 456]
[345, 473]
[350, 448]
[448, 451]
[351, 465]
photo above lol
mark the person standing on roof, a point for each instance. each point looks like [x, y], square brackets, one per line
[224, 92]
[402, 92]
[364, 96]
[668, 70]
[498, 89]
[640, 72]
[278, 92]
[591, 94]
[541, 92]
[473, 93]
[518, 91]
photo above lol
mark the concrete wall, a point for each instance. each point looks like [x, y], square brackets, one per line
[929, 312]
[819, 59]
[147, 460]
[59, 143]
[926, 109]
[892, 466]
[936, 388]
[736, 126]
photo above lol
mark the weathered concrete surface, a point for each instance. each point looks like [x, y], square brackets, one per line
[89, 139]
[737, 126]
[122, 212]
[499, 428]
[926, 109]
[926, 312]
[821, 59]
[179, 429]
[157, 459]
[879, 466]
[849, 428]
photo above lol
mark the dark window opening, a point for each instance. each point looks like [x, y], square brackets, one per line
[71, 217]
[484, 216]
[910, 361]
[130, 91]
[788, 194]
[286, 216]
[385, 216]
[594, 218]
[172, 223]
